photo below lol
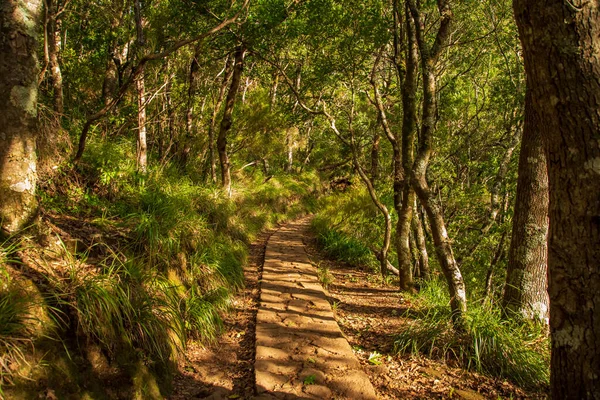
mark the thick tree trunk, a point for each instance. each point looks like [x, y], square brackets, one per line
[562, 62]
[18, 108]
[226, 122]
[525, 292]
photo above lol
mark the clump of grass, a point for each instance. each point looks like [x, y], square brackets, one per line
[346, 225]
[123, 306]
[342, 247]
[15, 332]
[511, 350]
[325, 277]
[15, 317]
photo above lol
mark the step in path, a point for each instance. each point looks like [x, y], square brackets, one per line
[300, 350]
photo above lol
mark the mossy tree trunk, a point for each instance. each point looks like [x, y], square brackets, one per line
[18, 108]
[562, 62]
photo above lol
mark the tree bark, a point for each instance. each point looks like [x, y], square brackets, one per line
[142, 146]
[18, 107]
[562, 62]
[409, 126]
[421, 244]
[374, 170]
[227, 120]
[53, 62]
[445, 255]
[189, 115]
[213, 121]
[525, 293]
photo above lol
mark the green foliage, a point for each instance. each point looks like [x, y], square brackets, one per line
[173, 257]
[325, 276]
[15, 331]
[15, 317]
[345, 224]
[516, 351]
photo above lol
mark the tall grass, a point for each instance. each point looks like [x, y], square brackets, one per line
[172, 259]
[515, 351]
[346, 224]
[15, 317]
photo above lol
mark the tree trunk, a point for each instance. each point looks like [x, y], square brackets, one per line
[52, 34]
[562, 62]
[409, 126]
[213, 121]
[189, 115]
[374, 172]
[289, 143]
[18, 107]
[142, 146]
[226, 122]
[525, 292]
[421, 244]
[445, 255]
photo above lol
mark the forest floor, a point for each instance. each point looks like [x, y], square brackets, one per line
[368, 311]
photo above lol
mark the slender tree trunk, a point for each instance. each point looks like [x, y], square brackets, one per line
[562, 62]
[409, 126]
[213, 121]
[273, 93]
[420, 243]
[525, 292]
[289, 143]
[445, 255]
[142, 146]
[487, 295]
[226, 122]
[375, 145]
[52, 36]
[18, 108]
[189, 115]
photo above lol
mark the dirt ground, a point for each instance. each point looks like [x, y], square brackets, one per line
[368, 312]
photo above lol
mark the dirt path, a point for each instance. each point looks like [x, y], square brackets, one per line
[300, 350]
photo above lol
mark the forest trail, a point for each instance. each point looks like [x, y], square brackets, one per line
[300, 349]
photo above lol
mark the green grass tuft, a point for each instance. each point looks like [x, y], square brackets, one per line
[515, 351]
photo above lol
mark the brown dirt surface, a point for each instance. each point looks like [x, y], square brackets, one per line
[300, 350]
[369, 313]
[225, 369]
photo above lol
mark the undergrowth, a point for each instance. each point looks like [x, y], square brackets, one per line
[348, 227]
[156, 258]
[346, 223]
[490, 345]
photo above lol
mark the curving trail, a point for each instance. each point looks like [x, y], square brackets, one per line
[300, 350]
